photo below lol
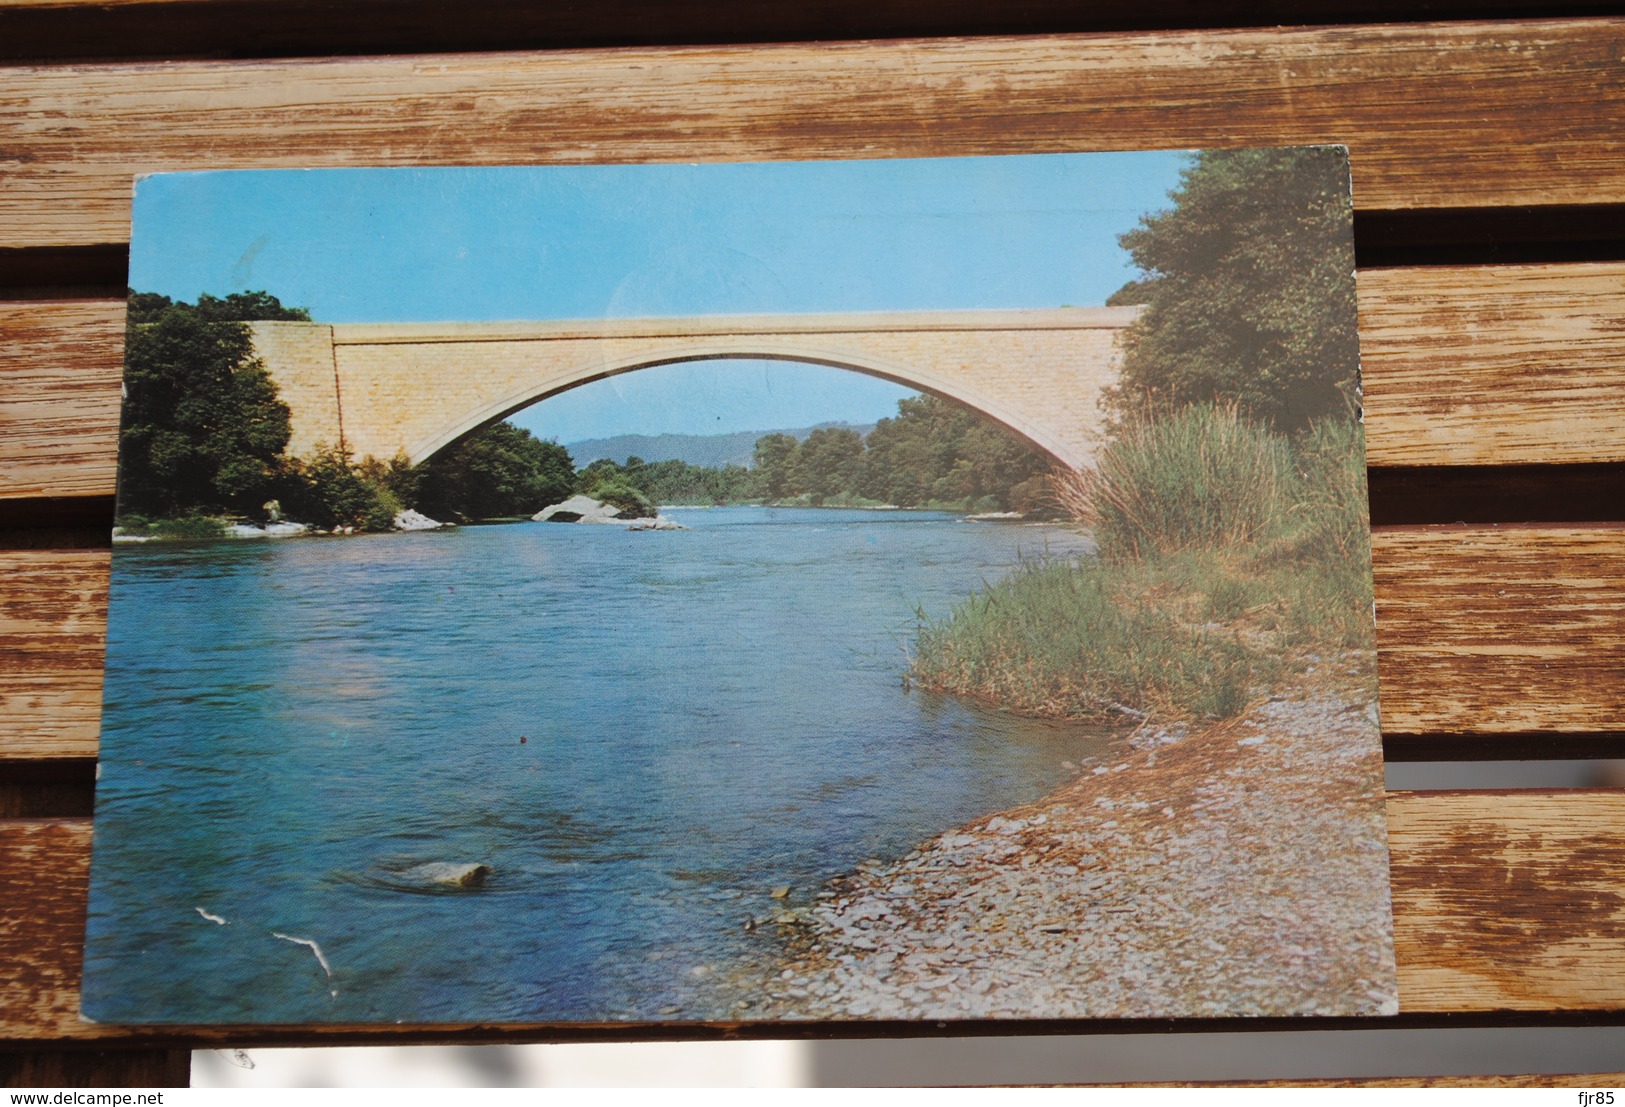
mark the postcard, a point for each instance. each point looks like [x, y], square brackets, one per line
[896, 589]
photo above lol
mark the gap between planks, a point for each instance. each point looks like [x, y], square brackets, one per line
[1503, 902]
[35, 30]
[1467, 365]
[1462, 115]
[1481, 630]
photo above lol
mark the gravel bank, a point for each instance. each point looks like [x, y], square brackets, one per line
[1235, 870]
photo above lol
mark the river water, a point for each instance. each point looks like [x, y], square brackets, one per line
[642, 734]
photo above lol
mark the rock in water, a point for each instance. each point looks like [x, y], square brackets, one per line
[270, 530]
[449, 874]
[580, 509]
[414, 520]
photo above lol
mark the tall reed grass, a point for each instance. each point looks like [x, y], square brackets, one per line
[1202, 478]
[1229, 557]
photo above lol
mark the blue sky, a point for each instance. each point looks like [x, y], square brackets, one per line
[589, 242]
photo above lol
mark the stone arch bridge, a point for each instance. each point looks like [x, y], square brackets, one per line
[413, 388]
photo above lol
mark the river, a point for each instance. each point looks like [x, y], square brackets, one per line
[644, 735]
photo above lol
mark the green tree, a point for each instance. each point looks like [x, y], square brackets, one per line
[620, 492]
[1249, 290]
[247, 307]
[937, 450]
[827, 462]
[677, 482]
[329, 490]
[501, 470]
[397, 476]
[596, 472]
[771, 460]
[202, 428]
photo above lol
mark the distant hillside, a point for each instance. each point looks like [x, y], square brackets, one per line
[710, 450]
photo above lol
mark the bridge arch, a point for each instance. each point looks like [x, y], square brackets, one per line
[414, 388]
[469, 422]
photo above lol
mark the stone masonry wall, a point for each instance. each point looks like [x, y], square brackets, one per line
[299, 357]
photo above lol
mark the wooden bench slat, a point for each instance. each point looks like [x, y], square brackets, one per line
[1494, 365]
[1470, 365]
[1503, 902]
[1511, 901]
[60, 364]
[53, 634]
[1501, 630]
[1468, 114]
[1482, 630]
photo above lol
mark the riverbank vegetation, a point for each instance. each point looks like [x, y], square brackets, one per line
[1229, 508]
[1203, 590]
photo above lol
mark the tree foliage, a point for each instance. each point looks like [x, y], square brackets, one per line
[828, 462]
[502, 470]
[937, 451]
[327, 489]
[202, 427]
[772, 458]
[678, 482]
[238, 307]
[1249, 290]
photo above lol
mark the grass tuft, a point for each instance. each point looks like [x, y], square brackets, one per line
[1229, 558]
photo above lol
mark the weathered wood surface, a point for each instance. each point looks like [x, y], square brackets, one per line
[45, 869]
[1453, 115]
[53, 632]
[1485, 365]
[60, 363]
[1470, 365]
[1507, 629]
[1509, 901]
[1502, 902]
[1481, 630]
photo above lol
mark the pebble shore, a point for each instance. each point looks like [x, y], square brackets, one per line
[1238, 869]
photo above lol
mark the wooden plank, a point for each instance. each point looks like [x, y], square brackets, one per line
[1485, 365]
[1470, 114]
[1472, 365]
[1501, 630]
[1502, 902]
[1481, 630]
[60, 363]
[53, 630]
[1509, 901]
[45, 867]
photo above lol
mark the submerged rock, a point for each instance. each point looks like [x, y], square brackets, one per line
[656, 523]
[450, 874]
